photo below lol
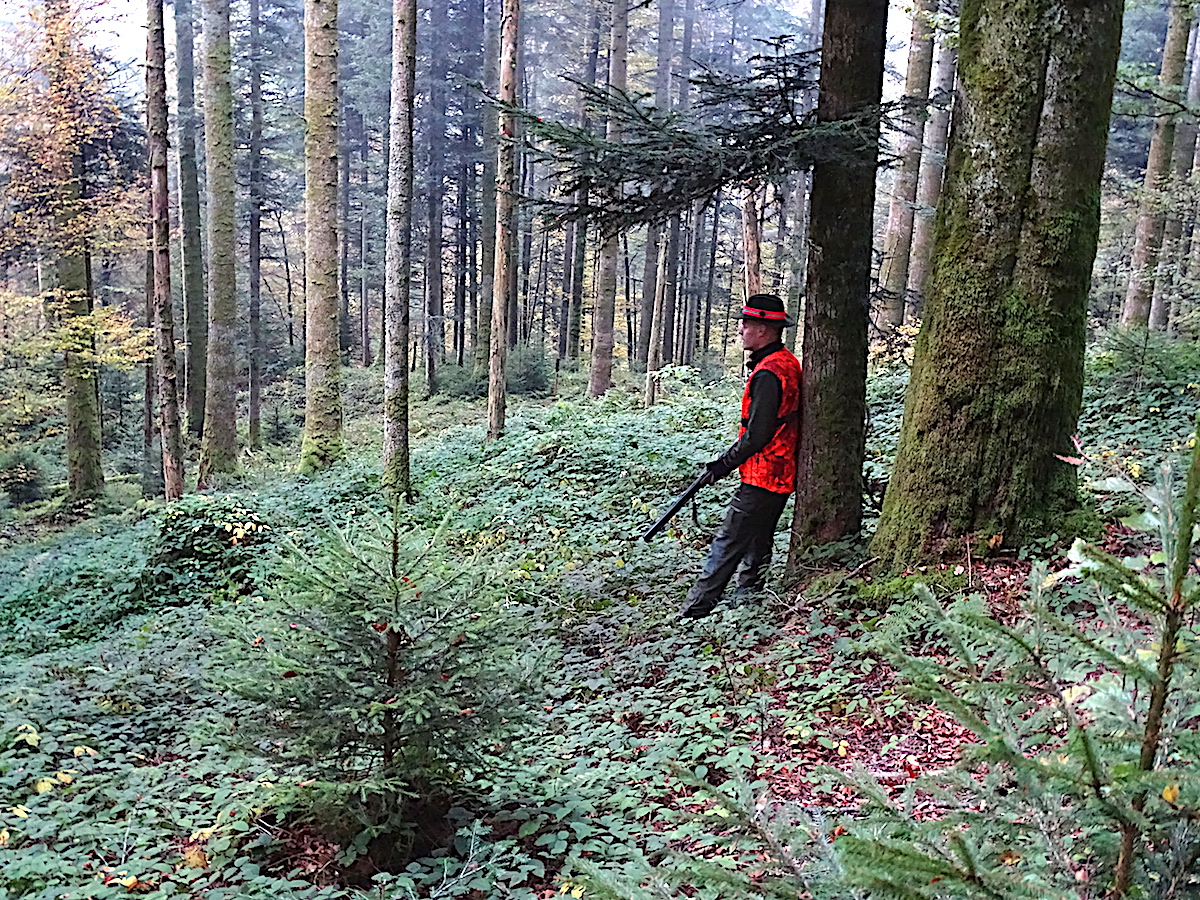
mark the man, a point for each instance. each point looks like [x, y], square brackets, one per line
[764, 455]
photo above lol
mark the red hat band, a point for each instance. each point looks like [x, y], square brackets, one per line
[755, 313]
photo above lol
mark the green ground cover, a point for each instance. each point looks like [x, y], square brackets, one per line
[192, 705]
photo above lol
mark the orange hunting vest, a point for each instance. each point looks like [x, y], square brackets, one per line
[774, 467]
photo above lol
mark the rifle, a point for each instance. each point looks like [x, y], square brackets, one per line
[693, 489]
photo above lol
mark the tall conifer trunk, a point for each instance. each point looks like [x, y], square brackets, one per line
[73, 289]
[997, 379]
[506, 206]
[933, 165]
[322, 443]
[833, 417]
[160, 225]
[893, 276]
[600, 379]
[255, 237]
[1148, 236]
[397, 481]
[195, 309]
[218, 450]
[487, 214]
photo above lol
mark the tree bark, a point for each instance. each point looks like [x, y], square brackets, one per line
[160, 224]
[833, 418]
[255, 237]
[933, 165]
[603, 320]
[435, 299]
[1172, 257]
[195, 312]
[364, 249]
[1149, 232]
[218, 449]
[487, 228]
[506, 206]
[397, 480]
[73, 295]
[322, 443]
[893, 277]
[997, 379]
[751, 244]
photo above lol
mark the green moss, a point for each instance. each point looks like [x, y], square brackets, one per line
[901, 587]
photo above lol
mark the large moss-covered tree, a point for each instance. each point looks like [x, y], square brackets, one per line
[997, 377]
[322, 443]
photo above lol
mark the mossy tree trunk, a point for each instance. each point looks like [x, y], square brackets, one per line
[997, 378]
[218, 448]
[1148, 235]
[322, 443]
[195, 310]
[160, 225]
[833, 417]
[396, 479]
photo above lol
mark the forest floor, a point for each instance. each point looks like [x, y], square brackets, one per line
[120, 768]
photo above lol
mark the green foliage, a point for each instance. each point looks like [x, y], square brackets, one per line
[22, 476]
[528, 374]
[380, 667]
[206, 543]
[1081, 782]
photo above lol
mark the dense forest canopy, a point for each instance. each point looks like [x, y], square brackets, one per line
[346, 350]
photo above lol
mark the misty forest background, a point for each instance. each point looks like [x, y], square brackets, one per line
[346, 351]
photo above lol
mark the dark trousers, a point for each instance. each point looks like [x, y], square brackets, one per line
[745, 539]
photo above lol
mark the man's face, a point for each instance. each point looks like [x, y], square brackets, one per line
[756, 335]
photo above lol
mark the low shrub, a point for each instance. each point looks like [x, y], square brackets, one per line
[22, 476]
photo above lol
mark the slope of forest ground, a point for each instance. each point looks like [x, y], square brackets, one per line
[147, 654]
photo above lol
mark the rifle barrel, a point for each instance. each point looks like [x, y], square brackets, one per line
[679, 504]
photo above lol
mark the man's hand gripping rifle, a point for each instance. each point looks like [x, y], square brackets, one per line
[705, 478]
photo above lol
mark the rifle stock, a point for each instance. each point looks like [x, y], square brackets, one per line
[679, 504]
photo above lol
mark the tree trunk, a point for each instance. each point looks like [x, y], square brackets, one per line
[73, 295]
[506, 206]
[218, 449]
[364, 250]
[322, 443]
[487, 227]
[256, 203]
[670, 253]
[654, 360]
[435, 300]
[160, 224]
[997, 379]
[397, 480]
[195, 312]
[833, 418]
[603, 320]
[751, 243]
[1171, 258]
[649, 296]
[933, 165]
[893, 277]
[1149, 233]
[343, 230]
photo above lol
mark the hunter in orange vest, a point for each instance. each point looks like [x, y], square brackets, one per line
[764, 455]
